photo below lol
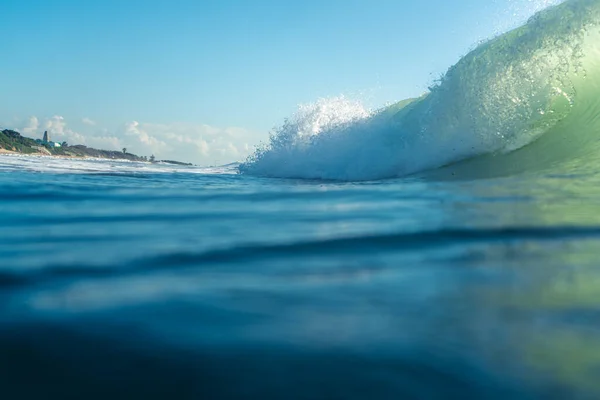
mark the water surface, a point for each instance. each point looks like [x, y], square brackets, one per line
[124, 279]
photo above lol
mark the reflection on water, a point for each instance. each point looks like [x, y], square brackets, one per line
[217, 283]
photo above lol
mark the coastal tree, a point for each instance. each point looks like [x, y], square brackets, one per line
[65, 144]
[124, 150]
[152, 158]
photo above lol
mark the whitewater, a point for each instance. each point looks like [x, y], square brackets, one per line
[440, 247]
[538, 81]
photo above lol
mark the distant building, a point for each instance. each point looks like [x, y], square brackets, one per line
[46, 141]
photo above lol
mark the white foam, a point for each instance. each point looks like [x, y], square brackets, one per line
[500, 97]
[46, 164]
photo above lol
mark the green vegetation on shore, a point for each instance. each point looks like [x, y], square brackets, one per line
[13, 141]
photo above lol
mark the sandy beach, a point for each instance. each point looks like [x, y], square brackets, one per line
[4, 152]
[39, 154]
[15, 153]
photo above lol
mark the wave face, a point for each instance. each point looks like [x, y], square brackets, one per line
[540, 81]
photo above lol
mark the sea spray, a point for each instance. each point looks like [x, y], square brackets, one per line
[502, 96]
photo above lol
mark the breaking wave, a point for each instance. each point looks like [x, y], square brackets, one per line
[523, 100]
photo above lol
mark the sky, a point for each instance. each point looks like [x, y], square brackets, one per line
[205, 81]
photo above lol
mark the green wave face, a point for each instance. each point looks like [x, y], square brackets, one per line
[550, 71]
[524, 100]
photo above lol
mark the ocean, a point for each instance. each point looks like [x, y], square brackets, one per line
[441, 247]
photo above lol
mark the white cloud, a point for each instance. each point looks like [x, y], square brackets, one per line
[104, 142]
[197, 143]
[87, 121]
[56, 124]
[138, 133]
[57, 128]
[31, 126]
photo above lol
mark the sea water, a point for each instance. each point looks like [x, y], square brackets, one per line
[444, 247]
[130, 280]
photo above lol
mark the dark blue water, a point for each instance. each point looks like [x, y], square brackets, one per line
[121, 280]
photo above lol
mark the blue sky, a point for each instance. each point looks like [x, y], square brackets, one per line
[204, 81]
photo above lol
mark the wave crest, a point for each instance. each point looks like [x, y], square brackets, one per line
[504, 95]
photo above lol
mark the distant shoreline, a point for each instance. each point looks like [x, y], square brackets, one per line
[13, 143]
[4, 152]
